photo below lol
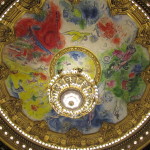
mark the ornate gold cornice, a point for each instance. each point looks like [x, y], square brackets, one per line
[72, 139]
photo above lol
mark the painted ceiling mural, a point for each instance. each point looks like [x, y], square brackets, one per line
[87, 24]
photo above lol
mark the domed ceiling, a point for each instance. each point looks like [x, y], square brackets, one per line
[86, 51]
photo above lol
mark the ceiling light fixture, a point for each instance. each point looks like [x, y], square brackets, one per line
[73, 93]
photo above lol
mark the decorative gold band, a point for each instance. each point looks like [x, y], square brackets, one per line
[80, 49]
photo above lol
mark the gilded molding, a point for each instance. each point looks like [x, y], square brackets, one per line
[4, 71]
[143, 36]
[31, 6]
[146, 75]
[73, 139]
[80, 49]
[6, 34]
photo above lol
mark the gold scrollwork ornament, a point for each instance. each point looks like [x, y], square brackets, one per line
[6, 33]
[4, 71]
[116, 7]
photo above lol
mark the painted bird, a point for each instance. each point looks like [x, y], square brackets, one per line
[15, 91]
[78, 36]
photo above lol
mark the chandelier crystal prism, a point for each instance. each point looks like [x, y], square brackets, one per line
[73, 93]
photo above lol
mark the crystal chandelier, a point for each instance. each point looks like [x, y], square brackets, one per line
[73, 93]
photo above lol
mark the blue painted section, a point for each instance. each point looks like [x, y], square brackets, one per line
[87, 124]
[15, 91]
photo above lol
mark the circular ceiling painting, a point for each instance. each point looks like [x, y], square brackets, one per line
[74, 74]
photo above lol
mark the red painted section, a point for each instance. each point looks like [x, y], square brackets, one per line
[111, 83]
[46, 59]
[108, 29]
[42, 76]
[34, 107]
[23, 26]
[132, 75]
[127, 55]
[116, 41]
[118, 53]
[124, 84]
[48, 34]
